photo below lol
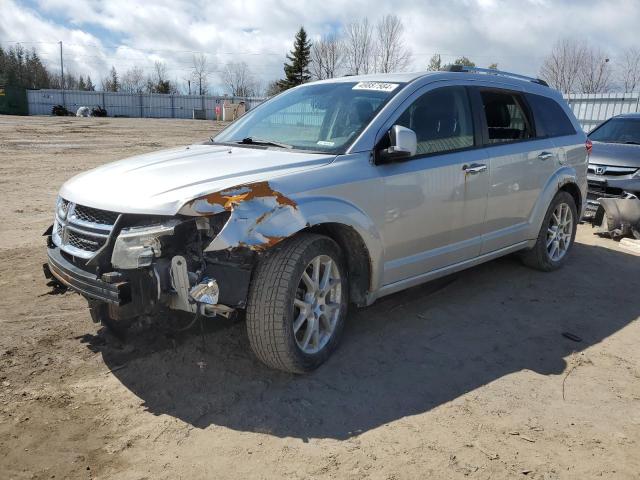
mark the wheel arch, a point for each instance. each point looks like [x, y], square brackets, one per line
[356, 257]
[573, 189]
[564, 179]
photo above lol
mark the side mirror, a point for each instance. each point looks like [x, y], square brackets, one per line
[403, 144]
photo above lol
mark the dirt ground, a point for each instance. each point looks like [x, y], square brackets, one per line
[469, 377]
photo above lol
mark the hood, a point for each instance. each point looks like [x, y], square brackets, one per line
[615, 154]
[159, 183]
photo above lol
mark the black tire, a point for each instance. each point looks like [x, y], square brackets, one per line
[270, 307]
[538, 256]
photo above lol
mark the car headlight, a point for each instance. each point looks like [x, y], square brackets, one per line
[136, 247]
[62, 207]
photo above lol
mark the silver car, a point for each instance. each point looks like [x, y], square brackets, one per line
[334, 192]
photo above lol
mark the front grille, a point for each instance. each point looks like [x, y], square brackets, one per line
[85, 242]
[94, 215]
[83, 230]
[611, 171]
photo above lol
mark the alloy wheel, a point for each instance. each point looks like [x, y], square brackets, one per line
[559, 232]
[317, 305]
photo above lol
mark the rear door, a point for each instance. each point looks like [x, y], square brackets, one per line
[520, 165]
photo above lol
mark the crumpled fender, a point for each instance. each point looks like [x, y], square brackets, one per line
[261, 216]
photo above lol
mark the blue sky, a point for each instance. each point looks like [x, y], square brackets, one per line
[97, 34]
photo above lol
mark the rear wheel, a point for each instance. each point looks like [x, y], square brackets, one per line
[298, 303]
[556, 236]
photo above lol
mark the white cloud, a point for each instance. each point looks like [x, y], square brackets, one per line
[124, 33]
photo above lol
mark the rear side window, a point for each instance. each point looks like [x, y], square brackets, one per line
[506, 117]
[441, 120]
[550, 118]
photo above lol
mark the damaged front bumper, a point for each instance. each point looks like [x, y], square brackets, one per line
[84, 282]
[141, 269]
[616, 211]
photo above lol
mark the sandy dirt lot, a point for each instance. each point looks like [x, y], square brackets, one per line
[463, 378]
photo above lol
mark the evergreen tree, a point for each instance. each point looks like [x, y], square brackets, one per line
[21, 68]
[81, 84]
[297, 71]
[435, 63]
[111, 83]
[464, 61]
[90, 87]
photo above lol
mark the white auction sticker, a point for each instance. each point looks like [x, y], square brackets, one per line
[379, 86]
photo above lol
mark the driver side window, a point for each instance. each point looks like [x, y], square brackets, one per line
[441, 120]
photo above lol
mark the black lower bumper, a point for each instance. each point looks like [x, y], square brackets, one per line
[83, 282]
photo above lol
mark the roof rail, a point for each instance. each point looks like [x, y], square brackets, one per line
[491, 71]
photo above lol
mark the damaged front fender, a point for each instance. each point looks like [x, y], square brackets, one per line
[260, 216]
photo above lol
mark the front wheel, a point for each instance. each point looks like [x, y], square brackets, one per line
[556, 236]
[298, 303]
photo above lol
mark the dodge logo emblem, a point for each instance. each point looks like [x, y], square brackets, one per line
[601, 170]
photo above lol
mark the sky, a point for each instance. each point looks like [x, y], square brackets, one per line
[125, 33]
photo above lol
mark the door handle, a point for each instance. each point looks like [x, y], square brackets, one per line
[474, 168]
[545, 156]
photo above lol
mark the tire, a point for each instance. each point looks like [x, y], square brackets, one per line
[540, 256]
[277, 299]
[99, 312]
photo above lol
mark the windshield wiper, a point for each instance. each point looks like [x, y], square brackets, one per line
[631, 142]
[257, 141]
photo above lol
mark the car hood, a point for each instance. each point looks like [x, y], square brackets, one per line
[159, 183]
[615, 154]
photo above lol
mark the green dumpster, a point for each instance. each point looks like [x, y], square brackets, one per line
[13, 100]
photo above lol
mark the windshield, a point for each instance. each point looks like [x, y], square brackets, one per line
[324, 117]
[618, 130]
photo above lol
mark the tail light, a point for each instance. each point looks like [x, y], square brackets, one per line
[589, 145]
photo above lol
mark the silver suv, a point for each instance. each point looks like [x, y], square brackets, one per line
[334, 192]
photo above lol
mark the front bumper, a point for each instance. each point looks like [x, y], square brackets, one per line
[607, 187]
[85, 283]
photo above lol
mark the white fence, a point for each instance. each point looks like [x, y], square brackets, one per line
[146, 105]
[593, 109]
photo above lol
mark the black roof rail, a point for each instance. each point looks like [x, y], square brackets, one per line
[492, 71]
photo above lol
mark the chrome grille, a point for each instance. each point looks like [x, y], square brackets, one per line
[80, 230]
[94, 215]
[610, 170]
[84, 242]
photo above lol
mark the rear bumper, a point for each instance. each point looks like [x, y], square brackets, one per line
[83, 282]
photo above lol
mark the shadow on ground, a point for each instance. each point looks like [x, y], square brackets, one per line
[403, 356]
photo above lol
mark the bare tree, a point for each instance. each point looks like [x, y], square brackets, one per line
[359, 47]
[133, 80]
[327, 56]
[200, 73]
[630, 69]
[392, 55]
[594, 75]
[562, 66]
[239, 79]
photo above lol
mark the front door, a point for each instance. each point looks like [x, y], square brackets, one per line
[436, 201]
